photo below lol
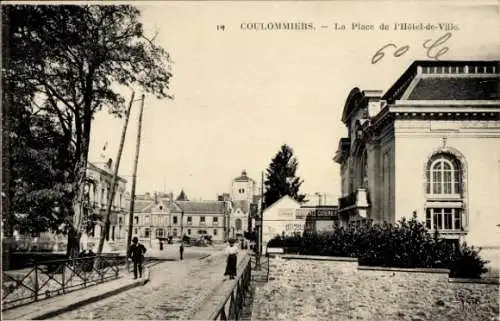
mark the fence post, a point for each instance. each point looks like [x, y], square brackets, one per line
[268, 268]
[84, 270]
[63, 278]
[117, 267]
[101, 273]
[36, 281]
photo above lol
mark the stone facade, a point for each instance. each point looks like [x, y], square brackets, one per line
[197, 218]
[152, 219]
[428, 145]
[101, 174]
[243, 191]
[160, 217]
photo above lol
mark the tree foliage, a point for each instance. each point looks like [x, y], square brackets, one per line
[281, 179]
[64, 63]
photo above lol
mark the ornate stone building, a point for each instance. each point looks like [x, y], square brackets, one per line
[243, 190]
[151, 217]
[197, 218]
[430, 144]
[101, 174]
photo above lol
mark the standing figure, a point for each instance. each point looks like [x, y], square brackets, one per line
[137, 251]
[231, 252]
[181, 250]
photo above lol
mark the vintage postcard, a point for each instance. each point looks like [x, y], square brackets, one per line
[251, 160]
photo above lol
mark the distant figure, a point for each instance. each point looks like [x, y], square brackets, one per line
[136, 253]
[181, 250]
[231, 252]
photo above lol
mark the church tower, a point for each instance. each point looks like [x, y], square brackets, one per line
[242, 194]
[243, 188]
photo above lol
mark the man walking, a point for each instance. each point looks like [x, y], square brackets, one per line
[181, 250]
[136, 254]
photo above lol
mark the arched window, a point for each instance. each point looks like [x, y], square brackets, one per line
[444, 175]
[238, 224]
[445, 191]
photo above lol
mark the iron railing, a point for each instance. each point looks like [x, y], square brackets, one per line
[232, 305]
[56, 277]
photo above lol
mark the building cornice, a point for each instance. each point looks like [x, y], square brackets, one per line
[95, 168]
[444, 103]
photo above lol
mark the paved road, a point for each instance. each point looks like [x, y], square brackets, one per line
[171, 252]
[176, 289]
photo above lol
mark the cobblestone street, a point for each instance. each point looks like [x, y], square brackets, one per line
[175, 290]
[326, 290]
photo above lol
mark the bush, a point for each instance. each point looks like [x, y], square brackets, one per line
[407, 244]
[290, 244]
[467, 263]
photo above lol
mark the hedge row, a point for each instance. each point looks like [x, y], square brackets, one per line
[406, 244]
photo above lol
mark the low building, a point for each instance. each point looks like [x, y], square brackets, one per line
[321, 218]
[282, 218]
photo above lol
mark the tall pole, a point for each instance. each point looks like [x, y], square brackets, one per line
[134, 179]
[182, 227]
[111, 197]
[261, 210]
[259, 219]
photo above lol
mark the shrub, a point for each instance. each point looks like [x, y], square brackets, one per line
[290, 244]
[467, 263]
[407, 244]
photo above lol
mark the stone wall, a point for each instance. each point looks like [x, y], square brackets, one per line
[336, 290]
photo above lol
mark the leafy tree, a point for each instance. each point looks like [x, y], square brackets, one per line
[67, 63]
[281, 179]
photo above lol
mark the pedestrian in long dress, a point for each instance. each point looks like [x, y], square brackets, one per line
[137, 251]
[231, 252]
[181, 250]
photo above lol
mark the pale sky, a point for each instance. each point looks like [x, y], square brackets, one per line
[240, 94]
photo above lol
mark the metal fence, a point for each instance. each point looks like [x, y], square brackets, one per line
[261, 268]
[232, 305]
[56, 277]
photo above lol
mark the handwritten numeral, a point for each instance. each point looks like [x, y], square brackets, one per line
[399, 52]
[434, 49]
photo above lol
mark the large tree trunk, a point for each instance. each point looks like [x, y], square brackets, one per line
[8, 192]
[73, 249]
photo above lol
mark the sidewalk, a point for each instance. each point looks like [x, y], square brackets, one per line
[59, 304]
